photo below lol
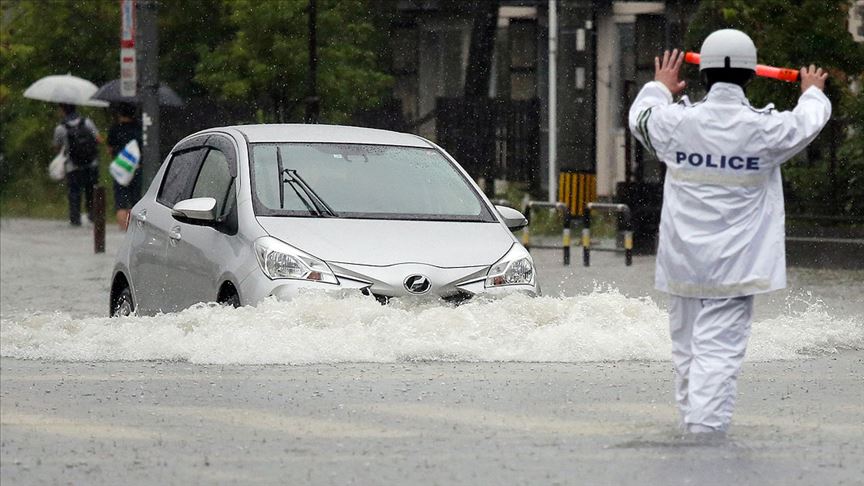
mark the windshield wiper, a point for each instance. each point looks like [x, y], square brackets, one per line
[309, 207]
[322, 209]
[282, 184]
[303, 198]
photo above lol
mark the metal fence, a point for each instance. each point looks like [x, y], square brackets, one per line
[492, 138]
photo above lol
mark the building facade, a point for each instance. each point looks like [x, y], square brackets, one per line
[605, 51]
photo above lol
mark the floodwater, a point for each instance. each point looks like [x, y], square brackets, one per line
[601, 326]
[54, 304]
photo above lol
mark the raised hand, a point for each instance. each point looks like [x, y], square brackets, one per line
[813, 77]
[667, 71]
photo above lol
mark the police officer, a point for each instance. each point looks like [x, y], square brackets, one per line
[722, 222]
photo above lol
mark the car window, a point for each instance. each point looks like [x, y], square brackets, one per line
[363, 181]
[214, 180]
[266, 177]
[179, 177]
[224, 145]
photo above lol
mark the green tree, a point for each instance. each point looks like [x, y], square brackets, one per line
[253, 52]
[187, 31]
[795, 34]
[37, 39]
[265, 60]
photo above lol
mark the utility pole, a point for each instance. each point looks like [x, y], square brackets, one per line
[478, 72]
[312, 101]
[553, 100]
[148, 63]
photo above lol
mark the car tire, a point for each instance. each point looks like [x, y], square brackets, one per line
[123, 304]
[231, 300]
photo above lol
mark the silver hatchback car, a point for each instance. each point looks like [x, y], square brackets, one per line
[238, 214]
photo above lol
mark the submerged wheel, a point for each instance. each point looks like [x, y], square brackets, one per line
[123, 305]
[230, 300]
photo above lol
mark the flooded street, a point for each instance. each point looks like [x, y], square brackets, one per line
[374, 192]
[572, 387]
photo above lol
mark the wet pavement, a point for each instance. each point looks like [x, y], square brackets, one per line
[797, 422]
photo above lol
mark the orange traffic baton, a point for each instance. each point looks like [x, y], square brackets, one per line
[782, 74]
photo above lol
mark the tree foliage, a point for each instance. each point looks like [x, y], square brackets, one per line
[794, 34]
[247, 51]
[185, 35]
[39, 39]
[266, 58]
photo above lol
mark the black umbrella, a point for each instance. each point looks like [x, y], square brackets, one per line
[110, 92]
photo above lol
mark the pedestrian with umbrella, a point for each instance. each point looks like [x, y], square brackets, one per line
[77, 137]
[124, 142]
[126, 130]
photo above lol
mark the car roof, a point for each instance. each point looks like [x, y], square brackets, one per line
[296, 132]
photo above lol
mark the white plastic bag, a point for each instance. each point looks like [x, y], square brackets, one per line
[124, 165]
[57, 167]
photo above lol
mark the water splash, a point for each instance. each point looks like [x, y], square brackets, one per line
[315, 328]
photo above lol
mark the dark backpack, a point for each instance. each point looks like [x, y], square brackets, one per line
[82, 144]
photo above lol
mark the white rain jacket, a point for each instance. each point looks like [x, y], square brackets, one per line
[722, 228]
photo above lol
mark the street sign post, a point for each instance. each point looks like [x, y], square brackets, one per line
[128, 67]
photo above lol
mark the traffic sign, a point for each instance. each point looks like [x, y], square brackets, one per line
[128, 66]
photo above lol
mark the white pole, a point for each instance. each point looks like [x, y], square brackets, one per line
[553, 100]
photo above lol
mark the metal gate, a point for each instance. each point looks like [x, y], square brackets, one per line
[492, 138]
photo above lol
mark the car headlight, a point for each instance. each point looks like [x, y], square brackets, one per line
[281, 260]
[515, 268]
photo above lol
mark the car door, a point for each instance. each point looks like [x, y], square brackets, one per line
[152, 273]
[149, 240]
[199, 253]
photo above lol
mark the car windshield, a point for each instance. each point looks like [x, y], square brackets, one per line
[361, 181]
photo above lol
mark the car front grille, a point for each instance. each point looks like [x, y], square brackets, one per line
[455, 299]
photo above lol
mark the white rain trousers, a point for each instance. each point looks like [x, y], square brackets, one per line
[722, 226]
[709, 338]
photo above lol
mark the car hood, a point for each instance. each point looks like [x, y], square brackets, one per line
[382, 242]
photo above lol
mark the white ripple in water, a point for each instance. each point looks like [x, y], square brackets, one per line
[316, 328]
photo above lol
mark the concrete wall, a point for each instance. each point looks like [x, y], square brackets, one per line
[611, 56]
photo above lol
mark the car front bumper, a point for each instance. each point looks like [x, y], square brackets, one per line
[449, 284]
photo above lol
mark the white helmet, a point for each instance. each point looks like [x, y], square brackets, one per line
[728, 48]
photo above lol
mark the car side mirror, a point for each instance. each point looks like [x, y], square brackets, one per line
[199, 210]
[512, 218]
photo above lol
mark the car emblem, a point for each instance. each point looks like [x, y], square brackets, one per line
[417, 284]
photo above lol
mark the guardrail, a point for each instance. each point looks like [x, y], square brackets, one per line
[586, 232]
[565, 230]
